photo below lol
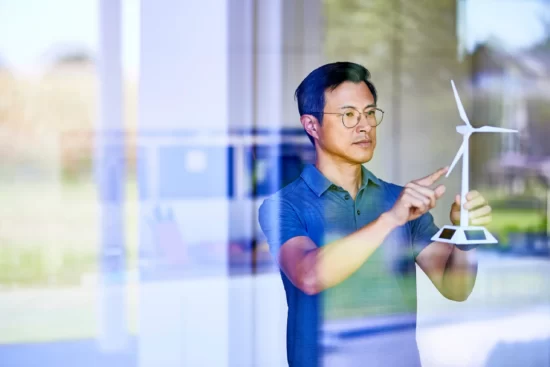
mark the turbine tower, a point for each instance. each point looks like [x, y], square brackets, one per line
[465, 234]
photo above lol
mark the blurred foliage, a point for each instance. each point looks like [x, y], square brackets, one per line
[47, 120]
[419, 35]
[539, 125]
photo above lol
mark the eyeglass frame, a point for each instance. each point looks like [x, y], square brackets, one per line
[360, 114]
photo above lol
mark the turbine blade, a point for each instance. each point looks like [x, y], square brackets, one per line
[492, 129]
[459, 105]
[457, 157]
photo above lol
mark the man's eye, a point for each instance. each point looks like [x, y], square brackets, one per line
[350, 114]
[372, 112]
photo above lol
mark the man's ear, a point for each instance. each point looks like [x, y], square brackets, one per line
[311, 125]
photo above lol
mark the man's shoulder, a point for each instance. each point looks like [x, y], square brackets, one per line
[284, 203]
[289, 193]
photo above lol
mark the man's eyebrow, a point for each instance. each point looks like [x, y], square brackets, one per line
[347, 106]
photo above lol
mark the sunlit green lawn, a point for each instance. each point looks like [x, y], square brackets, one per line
[518, 220]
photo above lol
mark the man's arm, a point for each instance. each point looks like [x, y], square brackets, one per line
[314, 269]
[452, 271]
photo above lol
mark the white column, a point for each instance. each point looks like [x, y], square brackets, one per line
[241, 96]
[270, 320]
[184, 86]
[110, 174]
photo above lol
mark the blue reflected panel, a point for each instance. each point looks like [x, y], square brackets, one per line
[195, 172]
[272, 167]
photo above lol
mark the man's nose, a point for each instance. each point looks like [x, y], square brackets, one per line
[363, 125]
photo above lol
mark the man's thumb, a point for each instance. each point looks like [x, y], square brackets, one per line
[457, 199]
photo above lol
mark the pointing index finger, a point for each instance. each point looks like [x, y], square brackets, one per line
[432, 178]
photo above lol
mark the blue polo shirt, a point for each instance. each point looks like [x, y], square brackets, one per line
[385, 285]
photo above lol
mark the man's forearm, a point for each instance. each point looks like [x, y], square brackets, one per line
[460, 274]
[333, 263]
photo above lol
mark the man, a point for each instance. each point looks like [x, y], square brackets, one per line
[338, 220]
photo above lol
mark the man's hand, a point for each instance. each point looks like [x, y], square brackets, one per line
[478, 207]
[417, 198]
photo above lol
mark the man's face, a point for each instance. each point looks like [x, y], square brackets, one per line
[355, 144]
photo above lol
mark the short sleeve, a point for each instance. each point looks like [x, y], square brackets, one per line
[423, 229]
[279, 222]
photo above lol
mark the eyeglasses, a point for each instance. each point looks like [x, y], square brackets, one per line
[351, 116]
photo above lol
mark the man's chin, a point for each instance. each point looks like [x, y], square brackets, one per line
[363, 158]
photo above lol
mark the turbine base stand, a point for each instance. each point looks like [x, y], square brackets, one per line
[464, 235]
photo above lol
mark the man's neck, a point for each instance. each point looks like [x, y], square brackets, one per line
[346, 175]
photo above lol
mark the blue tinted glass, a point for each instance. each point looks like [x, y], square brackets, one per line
[193, 172]
[271, 167]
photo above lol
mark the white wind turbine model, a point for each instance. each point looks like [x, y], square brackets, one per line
[465, 234]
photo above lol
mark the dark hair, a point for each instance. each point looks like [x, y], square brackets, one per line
[310, 94]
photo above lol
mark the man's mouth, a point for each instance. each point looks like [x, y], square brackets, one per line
[363, 143]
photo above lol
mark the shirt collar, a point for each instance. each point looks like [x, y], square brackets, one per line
[369, 176]
[318, 183]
